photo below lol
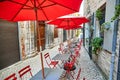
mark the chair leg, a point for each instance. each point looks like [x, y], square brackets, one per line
[83, 78]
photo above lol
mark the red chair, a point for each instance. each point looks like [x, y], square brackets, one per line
[77, 53]
[81, 42]
[79, 46]
[11, 77]
[50, 62]
[73, 59]
[60, 50]
[24, 71]
[78, 76]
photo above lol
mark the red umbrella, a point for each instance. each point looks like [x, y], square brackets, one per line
[20, 10]
[69, 21]
[69, 27]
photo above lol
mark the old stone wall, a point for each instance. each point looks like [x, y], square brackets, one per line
[104, 60]
[91, 6]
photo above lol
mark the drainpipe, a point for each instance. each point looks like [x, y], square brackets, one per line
[114, 42]
[114, 46]
[84, 35]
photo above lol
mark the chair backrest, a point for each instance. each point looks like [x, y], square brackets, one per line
[78, 75]
[81, 42]
[79, 46]
[11, 77]
[60, 50]
[77, 53]
[73, 59]
[47, 58]
[61, 46]
[24, 71]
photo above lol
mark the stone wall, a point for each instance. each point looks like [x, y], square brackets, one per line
[34, 62]
[92, 6]
[104, 59]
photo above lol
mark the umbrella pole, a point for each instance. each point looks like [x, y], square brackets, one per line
[43, 74]
[41, 57]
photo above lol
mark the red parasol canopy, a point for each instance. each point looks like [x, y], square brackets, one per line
[69, 21]
[21, 10]
[69, 27]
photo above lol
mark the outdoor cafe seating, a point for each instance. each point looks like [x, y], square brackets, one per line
[51, 63]
[68, 66]
[24, 73]
[12, 76]
[50, 74]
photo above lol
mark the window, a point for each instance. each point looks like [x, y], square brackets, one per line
[102, 20]
[9, 47]
[27, 36]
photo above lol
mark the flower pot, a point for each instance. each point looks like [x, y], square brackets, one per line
[95, 57]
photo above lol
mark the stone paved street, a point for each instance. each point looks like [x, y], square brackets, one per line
[89, 71]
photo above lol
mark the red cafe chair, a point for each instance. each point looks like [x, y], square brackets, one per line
[73, 59]
[79, 46]
[11, 77]
[78, 75]
[81, 42]
[60, 50]
[77, 53]
[51, 63]
[24, 71]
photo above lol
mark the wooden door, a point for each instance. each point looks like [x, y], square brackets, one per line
[55, 32]
[41, 34]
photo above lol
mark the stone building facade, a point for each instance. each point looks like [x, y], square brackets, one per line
[28, 55]
[111, 38]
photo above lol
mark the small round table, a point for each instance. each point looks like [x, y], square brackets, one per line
[68, 67]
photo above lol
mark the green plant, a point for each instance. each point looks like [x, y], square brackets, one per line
[96, 44]
[105, 26]
[99, 14]
[117, 12]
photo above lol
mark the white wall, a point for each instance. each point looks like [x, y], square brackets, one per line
[108, 35]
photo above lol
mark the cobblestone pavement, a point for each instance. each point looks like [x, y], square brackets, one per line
[88, 68]
[89, 71]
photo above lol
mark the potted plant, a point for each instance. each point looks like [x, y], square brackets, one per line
[96, 45]
[105, 26]
[99, 14]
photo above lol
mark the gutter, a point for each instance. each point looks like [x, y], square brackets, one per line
[114, 46]
[114, 43]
